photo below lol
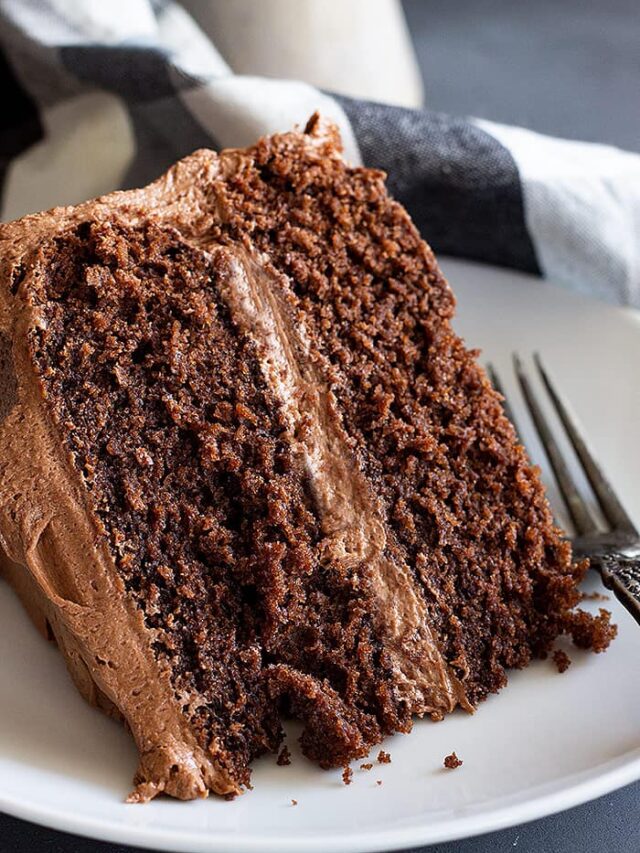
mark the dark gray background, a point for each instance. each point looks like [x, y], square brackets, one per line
[565, 67]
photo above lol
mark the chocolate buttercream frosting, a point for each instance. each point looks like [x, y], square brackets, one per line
[248, 470]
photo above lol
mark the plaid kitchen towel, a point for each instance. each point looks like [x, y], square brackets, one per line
[105, 94]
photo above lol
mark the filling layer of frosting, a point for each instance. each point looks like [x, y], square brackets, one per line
[352, 521]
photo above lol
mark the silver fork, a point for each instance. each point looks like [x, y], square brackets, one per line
[614, 552]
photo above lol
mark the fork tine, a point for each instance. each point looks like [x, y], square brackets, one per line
[611, 507]
[497, 384]
[580, 515]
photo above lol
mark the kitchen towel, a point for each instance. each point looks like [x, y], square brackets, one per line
[106, 94]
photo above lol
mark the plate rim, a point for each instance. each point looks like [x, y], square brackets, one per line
[626, 770]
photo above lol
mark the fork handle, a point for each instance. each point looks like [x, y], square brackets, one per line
[621, 574]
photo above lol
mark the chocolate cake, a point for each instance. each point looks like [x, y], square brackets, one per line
[249, 471]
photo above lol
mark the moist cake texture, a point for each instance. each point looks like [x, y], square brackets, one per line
[248, 469]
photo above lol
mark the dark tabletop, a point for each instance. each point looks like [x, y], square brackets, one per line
[569, 68]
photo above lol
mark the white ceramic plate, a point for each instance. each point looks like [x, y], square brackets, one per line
[548, 742]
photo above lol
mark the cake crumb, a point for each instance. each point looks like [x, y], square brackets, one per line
[452, 761]
[594, 596]
[384, 757]
[378, 781]
[561, 660]
[366, 766]
[294, 802]
[592, 632]
[347, 775]
[284, 758]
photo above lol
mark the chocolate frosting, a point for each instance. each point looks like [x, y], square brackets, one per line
[63, 571]
[352, 520]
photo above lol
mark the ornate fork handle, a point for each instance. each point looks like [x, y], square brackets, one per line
[620, 573]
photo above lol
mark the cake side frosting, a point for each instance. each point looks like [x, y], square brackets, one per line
[65, 575]
[51, 553]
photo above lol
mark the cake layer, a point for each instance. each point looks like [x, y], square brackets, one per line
[466, 510]
[249, 470]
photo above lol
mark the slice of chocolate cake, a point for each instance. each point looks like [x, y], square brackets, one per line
[248, 470]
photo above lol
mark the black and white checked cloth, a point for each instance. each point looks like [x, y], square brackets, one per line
[105, 94]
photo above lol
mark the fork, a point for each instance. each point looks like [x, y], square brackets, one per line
[614, 552]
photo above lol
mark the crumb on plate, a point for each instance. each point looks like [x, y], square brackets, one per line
[594, 596]
[285, 757]
[452, 761]
[561, 660]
